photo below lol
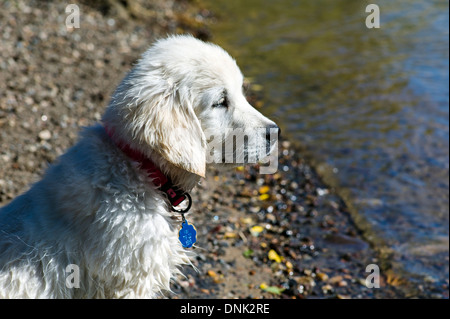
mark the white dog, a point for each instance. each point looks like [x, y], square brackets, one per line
[100, 223]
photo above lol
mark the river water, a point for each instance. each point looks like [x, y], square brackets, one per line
[371, 107]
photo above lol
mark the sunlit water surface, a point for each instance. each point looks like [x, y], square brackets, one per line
[370, 105]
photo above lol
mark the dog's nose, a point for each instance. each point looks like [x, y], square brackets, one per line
[271, 129]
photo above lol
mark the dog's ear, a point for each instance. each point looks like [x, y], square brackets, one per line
[152, 111]
[168, 124]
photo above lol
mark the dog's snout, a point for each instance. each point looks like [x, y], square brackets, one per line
[271, 129]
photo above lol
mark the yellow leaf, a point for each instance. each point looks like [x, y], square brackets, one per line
[216, 278]
[264, 189]
[240, 168]
[264, 196]
[274, 290]
[274, 256]
[246, 220]
[393, 279]
[255, 230]
[228, 235]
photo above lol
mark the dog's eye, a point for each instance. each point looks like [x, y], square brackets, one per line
[223, 102]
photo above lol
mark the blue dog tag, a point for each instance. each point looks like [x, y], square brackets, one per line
[187, 234]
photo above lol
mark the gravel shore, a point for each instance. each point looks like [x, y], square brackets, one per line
[285, 235]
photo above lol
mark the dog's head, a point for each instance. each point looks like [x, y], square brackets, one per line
[184, 100]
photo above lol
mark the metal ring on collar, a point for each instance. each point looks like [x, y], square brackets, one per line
[185, 210]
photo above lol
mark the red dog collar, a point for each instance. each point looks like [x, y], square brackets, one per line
[174, 193]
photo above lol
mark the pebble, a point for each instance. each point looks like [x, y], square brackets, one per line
[45, 135]
[322, 276]
[327, 288]
[335, 280]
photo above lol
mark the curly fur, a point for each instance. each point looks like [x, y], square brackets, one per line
[96, 208]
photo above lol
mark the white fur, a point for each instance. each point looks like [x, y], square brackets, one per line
[97, 209]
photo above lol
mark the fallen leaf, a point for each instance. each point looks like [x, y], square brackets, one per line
[274, 256]
[246, 220]
[264, 189]
[271, 289]
[216, 278]
[228, 235]
[248, 253]
[256, 230]
[393, 279]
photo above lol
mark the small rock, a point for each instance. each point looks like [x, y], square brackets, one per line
[336, 279]
[322, 191]
[205, 291]
[45, 135]
[285, 144]
[327, 288]
[306, 281]
[322, 276]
